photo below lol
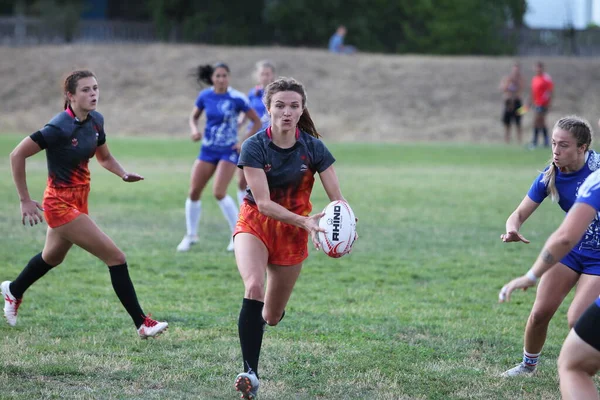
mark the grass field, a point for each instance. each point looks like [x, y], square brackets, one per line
[412, 313]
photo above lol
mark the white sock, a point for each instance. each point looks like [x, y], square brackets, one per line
[230, 211]
[530, 359]
[241, 194]
[192, 216]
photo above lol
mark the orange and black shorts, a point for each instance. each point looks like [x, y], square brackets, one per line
[286, 244]
[63, 205]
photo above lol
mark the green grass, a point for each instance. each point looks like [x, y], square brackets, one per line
[411, 314]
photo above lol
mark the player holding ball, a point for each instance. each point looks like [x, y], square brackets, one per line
[271, 235]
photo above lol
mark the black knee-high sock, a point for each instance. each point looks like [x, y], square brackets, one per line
[545, 133]
[119, 276]
[535, 136]
[35, 269]
[251, 327]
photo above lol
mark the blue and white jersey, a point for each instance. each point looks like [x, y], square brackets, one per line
[222, 111]
[569, 185]
[255, 97]
[589, 193]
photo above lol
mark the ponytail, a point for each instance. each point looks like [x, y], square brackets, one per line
[549, 180]
[203, 73]
[306, 124]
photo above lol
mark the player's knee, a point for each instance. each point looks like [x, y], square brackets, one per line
[53, 260]
[540, 317]
[254, 290]
[219, 195]
[272, 319]
[117, 258]
[194, 194]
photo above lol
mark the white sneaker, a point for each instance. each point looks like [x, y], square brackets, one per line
[187, 242]
[519, 370]
[11, 304]
[230, 245]
[151, 328]
[247, 384]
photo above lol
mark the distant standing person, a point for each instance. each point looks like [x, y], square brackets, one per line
[336, 42]
[220, 146]
[512, 89]
[264, 74]
[70, 139]
[540, 100]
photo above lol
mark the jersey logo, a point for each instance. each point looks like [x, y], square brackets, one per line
[303, 168]
[74, 142]
[267, 167]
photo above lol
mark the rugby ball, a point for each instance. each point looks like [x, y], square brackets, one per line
[340, 226]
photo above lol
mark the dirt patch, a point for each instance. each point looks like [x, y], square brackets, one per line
[147, 90]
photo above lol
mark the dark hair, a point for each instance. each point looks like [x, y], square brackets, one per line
[582, 133]
[305, 123]
[204, 73]
[70, 84]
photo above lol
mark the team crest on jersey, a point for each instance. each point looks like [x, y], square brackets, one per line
[74, 142]
[267, 167]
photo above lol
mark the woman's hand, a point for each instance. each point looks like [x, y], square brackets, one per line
[311, 224]
[132, 177]
[29, 212]
[196, 136]
[522, 282]
[237, 147]
[513, 236]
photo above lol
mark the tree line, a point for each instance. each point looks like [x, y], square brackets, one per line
[389, 26]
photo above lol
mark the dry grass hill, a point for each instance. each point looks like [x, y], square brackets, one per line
[147, 89]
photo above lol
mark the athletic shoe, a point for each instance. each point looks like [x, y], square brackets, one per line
[151, 328]
[230, 245]
[187, 242]
[519, 370]
[247, 384]
[11, 304]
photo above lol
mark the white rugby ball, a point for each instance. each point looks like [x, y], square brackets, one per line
[340, 225]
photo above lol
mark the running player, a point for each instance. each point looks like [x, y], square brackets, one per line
[264, 74]
[579, 358]
[70, 139]
[220, 146]
[272, 232]
[572, 162]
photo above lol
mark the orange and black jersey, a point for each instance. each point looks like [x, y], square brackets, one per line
[69, 145]
[290, 172]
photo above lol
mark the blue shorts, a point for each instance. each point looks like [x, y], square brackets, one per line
[541, 109]
[581, 263]
[214, 156]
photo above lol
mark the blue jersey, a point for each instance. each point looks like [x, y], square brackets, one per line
[255, 97]
[568, 186]
[589, 193]
[222, 110]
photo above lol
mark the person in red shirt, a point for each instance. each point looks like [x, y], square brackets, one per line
[540, 100]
